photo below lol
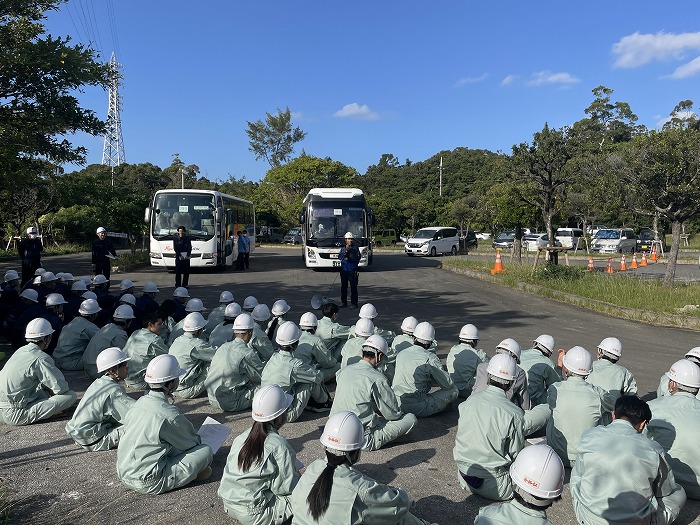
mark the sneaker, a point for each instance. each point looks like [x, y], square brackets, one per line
[315, 406]
[205, 474]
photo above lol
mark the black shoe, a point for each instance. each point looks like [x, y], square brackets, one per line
[354, 306]
[315, 406]
[344, 305]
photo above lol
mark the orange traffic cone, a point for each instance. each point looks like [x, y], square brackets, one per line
[498, 267]
[609, 269]
[634, 261]
[654, 257]
[623, 264]
[644, 260]
[591, 267]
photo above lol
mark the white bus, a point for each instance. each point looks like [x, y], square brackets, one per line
[327, 215]
[212, 220]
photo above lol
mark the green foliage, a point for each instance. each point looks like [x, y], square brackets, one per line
[552, 271]
[274, 139]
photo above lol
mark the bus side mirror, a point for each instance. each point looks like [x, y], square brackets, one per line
[301, 218]
[147, 215]
[218, 214]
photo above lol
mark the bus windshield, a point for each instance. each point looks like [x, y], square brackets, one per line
[332, 220]
[193, 211]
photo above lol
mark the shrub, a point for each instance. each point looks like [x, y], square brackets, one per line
[555, 271]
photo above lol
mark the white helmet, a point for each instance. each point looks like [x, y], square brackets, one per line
[30, 294]
[110, 357]
[37, 329]
[685, 373]
[123, 312]
[249, 303]
[270, 402]
[194, 305]
[376, 342]
[511, 346]
[364, 327]
[318, 300]
[59, 276]
[261, 312]
[694, 354]
[126, 284]
[194, 321]
[225, 297]
[54, 299]
[100, 230]
[539, 472]
[409, 324]
[232, 310]
[287, 334]
[31, 230]
[181, 292]
[86, 279]
[163, 369]
[150, 287]
[37, 280]
[578, 361]
[343, 432]
[11, 275]
[99, 279]
[424, 332]
[78, 286]
[280, 307]
[368, 311]
[243, 323]
[544, 343]
[67, 277]
[611, 345]
[48, 277]
[128, 298]
[502, 366]
[89, 307]
[308, 320]
[89, 295]
[349, 235]
[469, 332]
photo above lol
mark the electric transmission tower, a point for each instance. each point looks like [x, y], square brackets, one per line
[113, 150]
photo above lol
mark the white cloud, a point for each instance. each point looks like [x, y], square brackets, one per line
[471, 80]
[356, 111]
[638, 49]
[508, 80]
[542, 78]
[690, 69]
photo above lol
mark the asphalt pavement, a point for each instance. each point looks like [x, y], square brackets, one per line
[56, 482]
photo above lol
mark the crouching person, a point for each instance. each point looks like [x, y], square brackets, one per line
[98, 422]
[28, 375]
[160, 450]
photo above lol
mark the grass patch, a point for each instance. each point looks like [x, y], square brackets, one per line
[126, 258]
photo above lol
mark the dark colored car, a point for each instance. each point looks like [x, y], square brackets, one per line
[504, 240]
[469, 238]
[645, 240]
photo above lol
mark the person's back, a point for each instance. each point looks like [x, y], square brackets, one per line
[462, 361]
[72, 343]
[222, 333]
[110, 335]
[613, 378]
[313, 352]
[541, 373]
[280, 370]
[350, 353]
[142, 346]
[332, 334]
[511, 513]
[262, 344]
[194, 355]
[233, 375]
[518, 391]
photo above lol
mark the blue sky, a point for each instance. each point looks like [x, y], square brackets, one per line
[365, 78]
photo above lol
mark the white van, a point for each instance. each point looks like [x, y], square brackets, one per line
[614, 240]
[432, 241]
[569, 237]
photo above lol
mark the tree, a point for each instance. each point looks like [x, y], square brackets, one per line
[274, 139]
[178, 175]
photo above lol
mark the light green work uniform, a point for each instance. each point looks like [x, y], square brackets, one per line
[296, 379]
[261, 344]
[260, 496]
[462, 361]
[215, 318]
[387, 335]
[160, 450]
[490, 434]
[72, 343]
[313, 352]
[176, 331]
[142, 346]
[222, 333]
[98, 422]
[106, 337]
[662, 390]
[351, 352]
[622, 477]
[194, 355]
[511, 513]
[166, 329]
[576, 406]
[675, 425]
[417, 372]
[23, 379]
[615, 379]
[233, 376]
[541, 373]
[355, 499]
[388, 366]
[364, 390]
[517, 392]
[333, 335]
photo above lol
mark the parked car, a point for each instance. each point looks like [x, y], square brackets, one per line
[569, 237]
[614, 240]
[504, 240]
[592, 229]
[404, 237]
[293, 236]
[270, 234]
[532, 241]
[483, 236]
[469, 238]
[645, 239]
[432, 241]
[384, 237]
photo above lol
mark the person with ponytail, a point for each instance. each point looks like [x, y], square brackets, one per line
[331, 491]
[261, 468]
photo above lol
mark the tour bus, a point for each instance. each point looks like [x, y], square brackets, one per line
[327, 215]
[212, 220]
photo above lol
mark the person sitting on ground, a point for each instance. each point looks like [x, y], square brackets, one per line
[147, 301]
[540, 370]
[464, 358]
[109, 336]
[98, 422]
[142, 347]
[165, 313]
[330, 332]
[608, 374]
[368, 311]
[692, 355]
[160, 450]
[194, 355]
[312, 351]
[180, 296]
[28, 375]
[54, 315]
[28, 309]
[223, 332]
[136, 323]
[262, 468]
[518, 392]
[352, 349]
[193, 305]
[260, 342]
[76, 336]
[279, 312]
[217, 315]
[249, 304]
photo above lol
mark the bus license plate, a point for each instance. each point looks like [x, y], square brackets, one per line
[336, 264]
[333, 255]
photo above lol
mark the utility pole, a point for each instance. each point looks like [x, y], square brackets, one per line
[440, 176]
[113, 149]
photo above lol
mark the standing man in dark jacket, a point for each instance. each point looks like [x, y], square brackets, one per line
[30, 249]
[349, 261]
[102, 252]
[183, 252]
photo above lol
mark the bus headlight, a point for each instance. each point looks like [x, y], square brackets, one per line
[311, 254]
[207, 255]
[363, 253]
[154, 255]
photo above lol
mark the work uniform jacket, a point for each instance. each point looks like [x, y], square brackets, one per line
[462, 362]
[511, 513]
[97, 423]
[194, 355]
[615, 379]
[332, 334]
[108, 336]
[142, 346]
[623, 477]
[261, 344]
[72, 343]
[176, 331]
[355, 499]
[662, 389]
[222, 333]
[294, 377]
[541, 373]
[675, 425]
[313, 352]
[160, 450]
[215, 318]
[351, 352]
[517, 392]
[260, 495]
[233, 376]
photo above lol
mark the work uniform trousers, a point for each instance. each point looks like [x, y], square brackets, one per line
[277, 511]
[43, 408]
[351, 278]
[182, 272]
[103, 266]
[302, 392]
[388, 431]
[180, 470]
[428, 404]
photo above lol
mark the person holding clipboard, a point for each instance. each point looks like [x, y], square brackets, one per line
[102, 254]
[183, 251]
